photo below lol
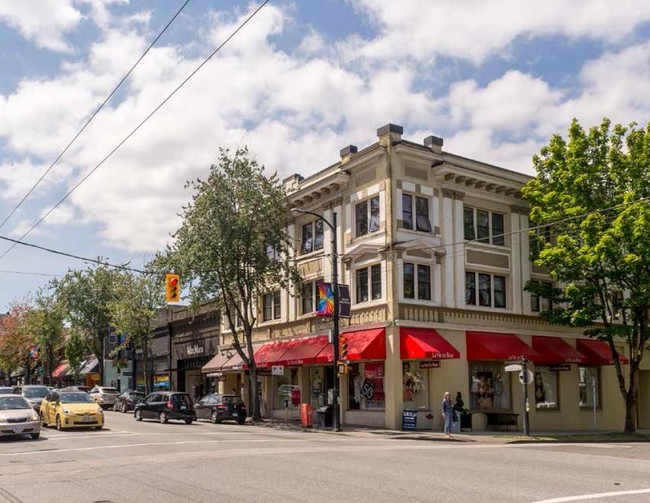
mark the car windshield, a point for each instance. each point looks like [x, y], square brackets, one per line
[235, 400]
[13, 403]
[6, 391]
[137, 394]
[76, 398]
[108, 390]
[36, 392]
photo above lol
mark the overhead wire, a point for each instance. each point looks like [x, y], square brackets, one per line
[90, 119]
[137, 128]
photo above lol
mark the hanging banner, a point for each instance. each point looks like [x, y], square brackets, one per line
[33, 352]
[325, 299]
[344, 301]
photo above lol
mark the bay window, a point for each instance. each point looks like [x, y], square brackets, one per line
[367, 216]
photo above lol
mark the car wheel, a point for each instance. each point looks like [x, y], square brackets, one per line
[114, 407]
[138, 415]
[241, 421]
[58, 423]
[98, 427]
[163, 417]
[124, 411]
[43, 422]
[188, 421]
[35, 436]
[213, 417]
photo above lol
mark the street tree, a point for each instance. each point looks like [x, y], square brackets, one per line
[592, 192]
[133, 312]
[17, 339]
[75, 351]
[86, 296]
[233, 247]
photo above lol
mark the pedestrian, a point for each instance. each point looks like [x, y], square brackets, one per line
[447, 412]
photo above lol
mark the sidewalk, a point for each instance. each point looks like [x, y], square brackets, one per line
[483, 437]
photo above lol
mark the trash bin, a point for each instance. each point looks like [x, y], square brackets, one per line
[306, 415]
[324, 416]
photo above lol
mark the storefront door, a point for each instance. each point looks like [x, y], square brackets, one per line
[644, 399]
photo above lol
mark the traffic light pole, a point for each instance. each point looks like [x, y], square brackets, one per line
[525, 373]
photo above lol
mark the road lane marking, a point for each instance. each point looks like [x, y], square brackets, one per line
[594, 496]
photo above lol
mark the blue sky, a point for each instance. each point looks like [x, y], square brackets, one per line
[302, 80]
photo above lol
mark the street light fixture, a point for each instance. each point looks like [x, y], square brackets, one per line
[336, 423]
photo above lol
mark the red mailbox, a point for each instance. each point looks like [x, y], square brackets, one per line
[295, 396]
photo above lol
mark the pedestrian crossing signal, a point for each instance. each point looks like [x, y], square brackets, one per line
[172, 288]
[342, 368]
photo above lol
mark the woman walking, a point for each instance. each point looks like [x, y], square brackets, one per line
[447, 412]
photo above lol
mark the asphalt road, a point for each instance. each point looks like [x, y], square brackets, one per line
[151, 462]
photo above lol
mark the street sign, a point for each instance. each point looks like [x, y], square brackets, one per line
[277, 370]
[525, 377]
[513, 368]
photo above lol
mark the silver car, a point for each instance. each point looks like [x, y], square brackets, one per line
[104, 396]
[17, 417]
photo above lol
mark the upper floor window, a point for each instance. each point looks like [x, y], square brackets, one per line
[308, 294]
[272, 252]
[367, 216]
[538, 239]
[272, 306]
[417, 281]
[422, 222]
[539, 304]
[486, 290]
[483, 226]
[312, 236]
[368, 282]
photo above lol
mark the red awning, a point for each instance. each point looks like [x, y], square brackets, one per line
[556, 350]
[60, 370]
[598, 352]
[362, 345]
[216, 363]
[423, 343]
[492, 346]
[303, 351]
[271, 353]
[235, 362]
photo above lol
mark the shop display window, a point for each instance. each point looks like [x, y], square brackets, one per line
[366, 386]
[415, 392]
[546, 389]
[317, 387]
[589, 382]
[489, 386]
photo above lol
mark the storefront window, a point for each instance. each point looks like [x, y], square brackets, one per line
[317, 387]
[366, 390]
[414, 388]
[489, 386]
[546, 386]
[589, 387]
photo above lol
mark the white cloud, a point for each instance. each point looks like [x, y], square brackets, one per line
[45, 22]
[476, 29]
[62, 215]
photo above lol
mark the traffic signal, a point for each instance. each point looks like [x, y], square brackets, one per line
[342, 368]
[343, 354]
[172, 287]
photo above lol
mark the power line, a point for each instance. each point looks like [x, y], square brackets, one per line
[4, 271]
[71, 142]
[146, 119]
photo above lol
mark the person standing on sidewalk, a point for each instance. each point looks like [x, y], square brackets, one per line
[447, 412]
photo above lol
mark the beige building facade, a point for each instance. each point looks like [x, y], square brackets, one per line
[436, 253]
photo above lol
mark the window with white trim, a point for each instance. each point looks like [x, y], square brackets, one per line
[312, 237]
[485, 290]
[589, 387]
[367, 216]
[308, 294]
[483, 226]
[416, 281]
[422, 221]
[540, 304]
[368, 283]
[272, 306]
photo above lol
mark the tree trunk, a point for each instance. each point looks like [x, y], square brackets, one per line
[630, 413]
[145, 367]
[255, 394]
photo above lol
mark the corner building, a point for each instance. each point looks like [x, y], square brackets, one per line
[435, 249]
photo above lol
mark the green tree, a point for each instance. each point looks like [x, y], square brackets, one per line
[233, 246]
[17, 338]
[75, 352]
[592, 191]
[85, 296]
[134, 310]
[46, 323]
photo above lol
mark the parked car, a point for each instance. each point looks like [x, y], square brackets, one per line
[85, 389]
[127, 400]
[6, 390]
[71, 409]
[217, 408]
[104, 396]
[17, 417]
[34, 394]
[166, 405]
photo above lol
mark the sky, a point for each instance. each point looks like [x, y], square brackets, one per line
[303, 79]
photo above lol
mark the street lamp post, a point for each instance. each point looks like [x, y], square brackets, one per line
[336, 423]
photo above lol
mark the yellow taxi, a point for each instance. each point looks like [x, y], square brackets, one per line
[71, 409]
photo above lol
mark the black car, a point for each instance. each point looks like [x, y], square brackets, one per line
[217, 408]
[33, 393]
[166, 405]
[127, 400]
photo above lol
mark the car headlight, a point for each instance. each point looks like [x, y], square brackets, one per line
[100, 411]
[67, 411]
[35, 416]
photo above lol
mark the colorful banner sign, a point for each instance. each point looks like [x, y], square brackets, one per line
[161, 381]
[325, 299]
[33, 352]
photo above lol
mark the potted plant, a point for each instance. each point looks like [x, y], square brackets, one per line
[463, 413]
